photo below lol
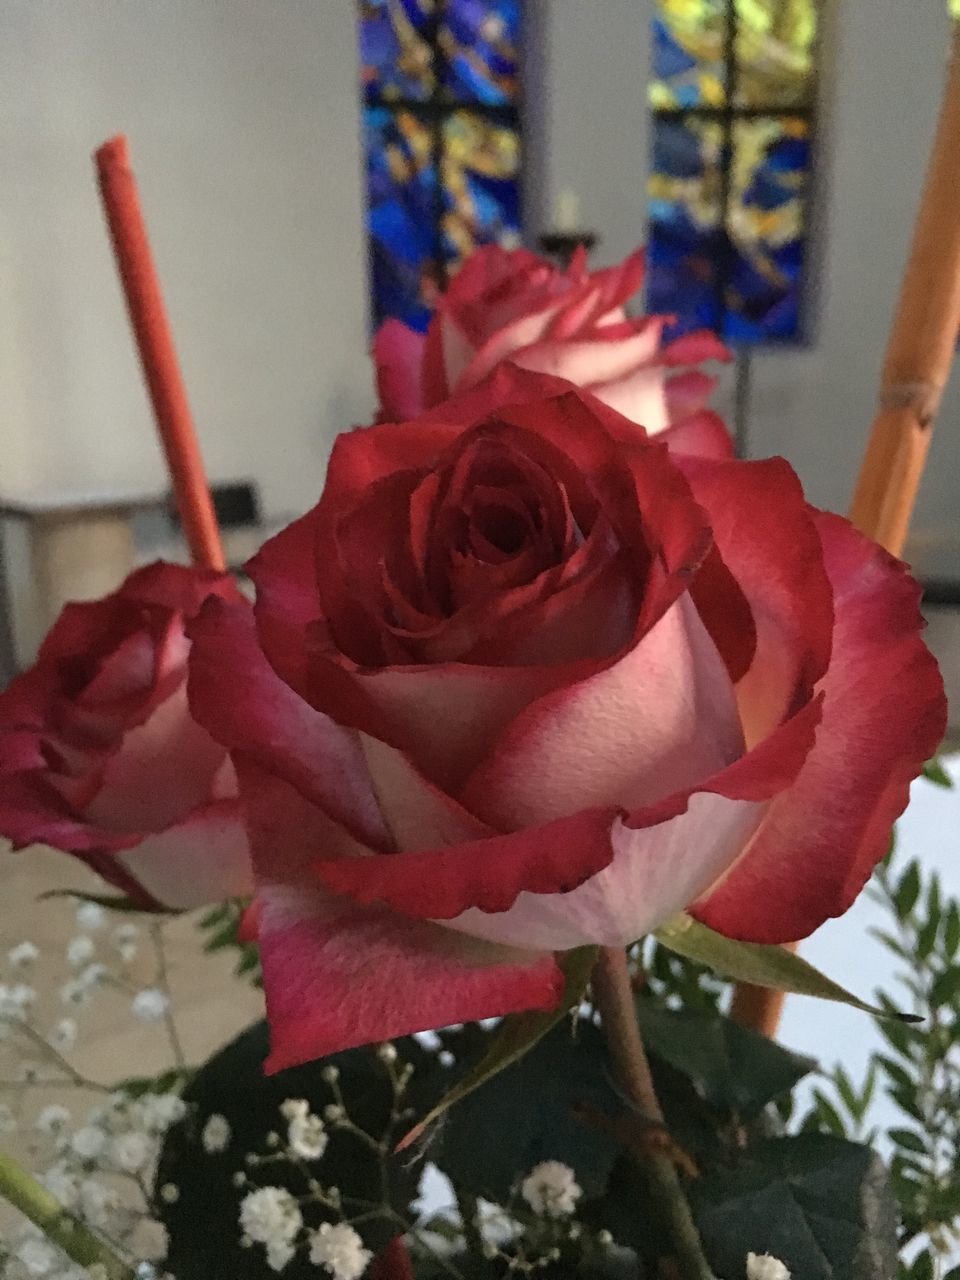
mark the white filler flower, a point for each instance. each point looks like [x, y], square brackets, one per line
[270, 1214]
[337, 1247]
[216, 1134]
[764, 1266]
[150, 1004]
[550, 1189]
[306, 1135]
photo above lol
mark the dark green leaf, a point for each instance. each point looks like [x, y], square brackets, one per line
[830, 1118]
[951, 930]
[731, 1067]
[764, 966]
[927, 938]
[909, 1140]
[946, 987]
[821, 1204]
[529, 1112]
[907, 891]
[515, 1036]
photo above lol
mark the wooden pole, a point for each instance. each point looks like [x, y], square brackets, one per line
[158, 355]
[915, 371]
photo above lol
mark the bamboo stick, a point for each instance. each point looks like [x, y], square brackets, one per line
[158, 355]
[915, 372]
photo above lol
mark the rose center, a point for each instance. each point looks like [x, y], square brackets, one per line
[503, 527]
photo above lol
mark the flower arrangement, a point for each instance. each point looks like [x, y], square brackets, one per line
[551, 716]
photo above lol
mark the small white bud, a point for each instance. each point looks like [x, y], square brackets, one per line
[330, 1074]
[150, 1005]
[387, 1053]
[764, 1266]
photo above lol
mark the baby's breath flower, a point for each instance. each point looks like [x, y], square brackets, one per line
[169, 1193]
[161, 1110]
[334, 1113]
[15, 1001]
[74, 992]
[80, 950]
[150, 1004]
[306, 1136]
[22, 956]
[52, 1119]
[270, 1213]
[216, 1134]
[38, 1257]
[88, 1142]
[387, 1053]
[550, 1189]
[90, 916]
[98, 1203]
[63, 1183]
[149, 1240]
[337, 1247]
[64, 1034]
[279, 1253]
[131, 1151]
[764, 1266]
[330, 1074]
[124, 941]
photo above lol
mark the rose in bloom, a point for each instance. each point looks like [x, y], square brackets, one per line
[100, 757]
[526, 680]
[513, 305]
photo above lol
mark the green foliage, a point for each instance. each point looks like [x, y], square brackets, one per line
[918, 1069]
[221, 924]
[514, 1037]
[821, 1204]
[730, 1067]
[763, 966]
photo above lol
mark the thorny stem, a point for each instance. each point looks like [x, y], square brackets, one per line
[60, 1227]
[613, 997]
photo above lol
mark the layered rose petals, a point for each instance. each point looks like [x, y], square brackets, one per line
[101, 757]
[527, 679]
[513, 306]
[884, 714]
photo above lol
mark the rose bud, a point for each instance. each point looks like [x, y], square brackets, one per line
[99, 755]
[526, 680]
[513, 305]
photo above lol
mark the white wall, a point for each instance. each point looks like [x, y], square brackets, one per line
[880, 88]
[243, 123]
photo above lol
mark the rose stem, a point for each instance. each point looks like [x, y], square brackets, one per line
[614, 999]
[46, 1212]
[915, 371]
[158, 354]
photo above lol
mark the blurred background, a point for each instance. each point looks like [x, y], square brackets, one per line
[308, 167]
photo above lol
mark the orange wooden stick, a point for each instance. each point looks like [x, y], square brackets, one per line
[917, 365]
[158, 354]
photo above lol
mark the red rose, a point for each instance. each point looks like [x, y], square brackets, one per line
[100, 757]
[525, 680]
[572, 324]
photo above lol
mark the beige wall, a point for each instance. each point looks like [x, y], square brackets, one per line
[243, 122]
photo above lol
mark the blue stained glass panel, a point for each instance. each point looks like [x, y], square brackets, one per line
[396, 58]
[402, 207]
[480, 42]
[481, 187]
[767, 228]
[689, 45]
[686, 242]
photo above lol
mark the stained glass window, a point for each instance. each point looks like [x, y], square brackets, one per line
[442, 139]
[732, 96]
